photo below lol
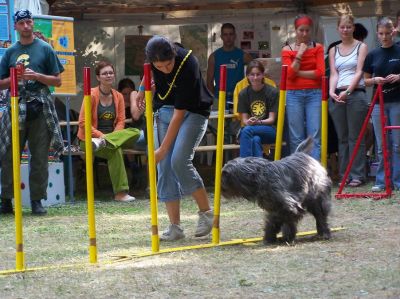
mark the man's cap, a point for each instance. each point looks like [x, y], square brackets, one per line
[22, 15]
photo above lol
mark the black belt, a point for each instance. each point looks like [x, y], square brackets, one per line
[339, 90]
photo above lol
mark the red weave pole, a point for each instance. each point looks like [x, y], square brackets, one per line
[222, 78]
[147, 76]
[325, 88]
[360, 136]
[386, 165]
[388, 193]
[283, 77]
[13, 82]
[86, 81]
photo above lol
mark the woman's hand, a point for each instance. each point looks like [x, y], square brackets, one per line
[302, 48]
[379, 80]
[392, 78]
[141, 101]
[341, 98]
[252, 121]
[159, 154]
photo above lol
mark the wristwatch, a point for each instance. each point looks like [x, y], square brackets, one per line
[348, 92]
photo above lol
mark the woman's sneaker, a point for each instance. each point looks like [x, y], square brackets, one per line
[377, 188]
[98, 143]
[205, 223]
[172, 233]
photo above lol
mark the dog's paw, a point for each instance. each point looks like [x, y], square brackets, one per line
[269, 242]
[326, 235]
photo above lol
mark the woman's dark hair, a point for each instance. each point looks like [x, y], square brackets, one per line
[360, 32]
[255, 64]
[102, 64]
[124, 83]
[159, 48]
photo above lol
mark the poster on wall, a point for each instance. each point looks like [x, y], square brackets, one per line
[134, 54]
[6, 28]
[59, 33]
[194, 37]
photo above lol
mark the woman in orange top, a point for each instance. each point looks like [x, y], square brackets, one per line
[305, 61]
[108, 133]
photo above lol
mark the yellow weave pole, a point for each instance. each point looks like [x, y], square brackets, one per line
[324, 122]
[155, 240]
[219, 150]
[89, 165]
[281, 114]
[16, 159]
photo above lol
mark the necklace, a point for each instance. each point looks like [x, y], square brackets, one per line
[104, 93]
[176, 75]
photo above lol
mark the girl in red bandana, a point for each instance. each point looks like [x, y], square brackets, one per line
[305, 61]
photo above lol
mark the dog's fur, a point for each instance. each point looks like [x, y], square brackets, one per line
[285, 189]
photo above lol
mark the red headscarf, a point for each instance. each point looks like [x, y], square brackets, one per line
[303, 20]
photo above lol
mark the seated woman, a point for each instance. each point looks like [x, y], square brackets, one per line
[258, 104]
[108, 133]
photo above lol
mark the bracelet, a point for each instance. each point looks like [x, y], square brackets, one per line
[141, 88]
[297, 58]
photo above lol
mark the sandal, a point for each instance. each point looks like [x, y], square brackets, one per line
[355, 183]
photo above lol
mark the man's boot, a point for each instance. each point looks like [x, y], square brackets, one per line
[6, 206]
[37, 208]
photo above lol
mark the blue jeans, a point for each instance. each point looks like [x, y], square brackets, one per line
[176, 174]
[253, 137]
[392, 114]
[303, 112]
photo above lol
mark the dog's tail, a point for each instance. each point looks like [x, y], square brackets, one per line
[306, 146]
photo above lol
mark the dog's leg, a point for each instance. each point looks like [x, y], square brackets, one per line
[272, 227]
[320, 213]
[289, 230]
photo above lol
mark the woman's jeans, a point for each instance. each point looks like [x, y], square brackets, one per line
[303, 112]
[348, 119]
[392, 114]
[252, 139]
[176, 174]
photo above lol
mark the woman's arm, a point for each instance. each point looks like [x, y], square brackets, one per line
[172, 132]
[120, 115]
[320, 63]
[363, 51]
[333, 76]
[135, 111]
[95, 133]
[270, 120]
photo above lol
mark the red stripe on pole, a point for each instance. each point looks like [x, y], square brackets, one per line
[284, 77]
[86, 81]
[222, 77]
[324, 88]
[147, 76]
[13, 82]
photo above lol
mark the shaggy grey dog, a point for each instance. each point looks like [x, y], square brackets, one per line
[285, 189]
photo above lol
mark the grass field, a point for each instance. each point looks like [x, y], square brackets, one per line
[362, 261]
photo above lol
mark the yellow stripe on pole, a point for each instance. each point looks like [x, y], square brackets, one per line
[155, 241]
[89, 179]
[19, 258]
[324, 134]
[219, 152]
[279, 127]
[218, 166]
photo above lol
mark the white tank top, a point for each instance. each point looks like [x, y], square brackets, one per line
[346, 67]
